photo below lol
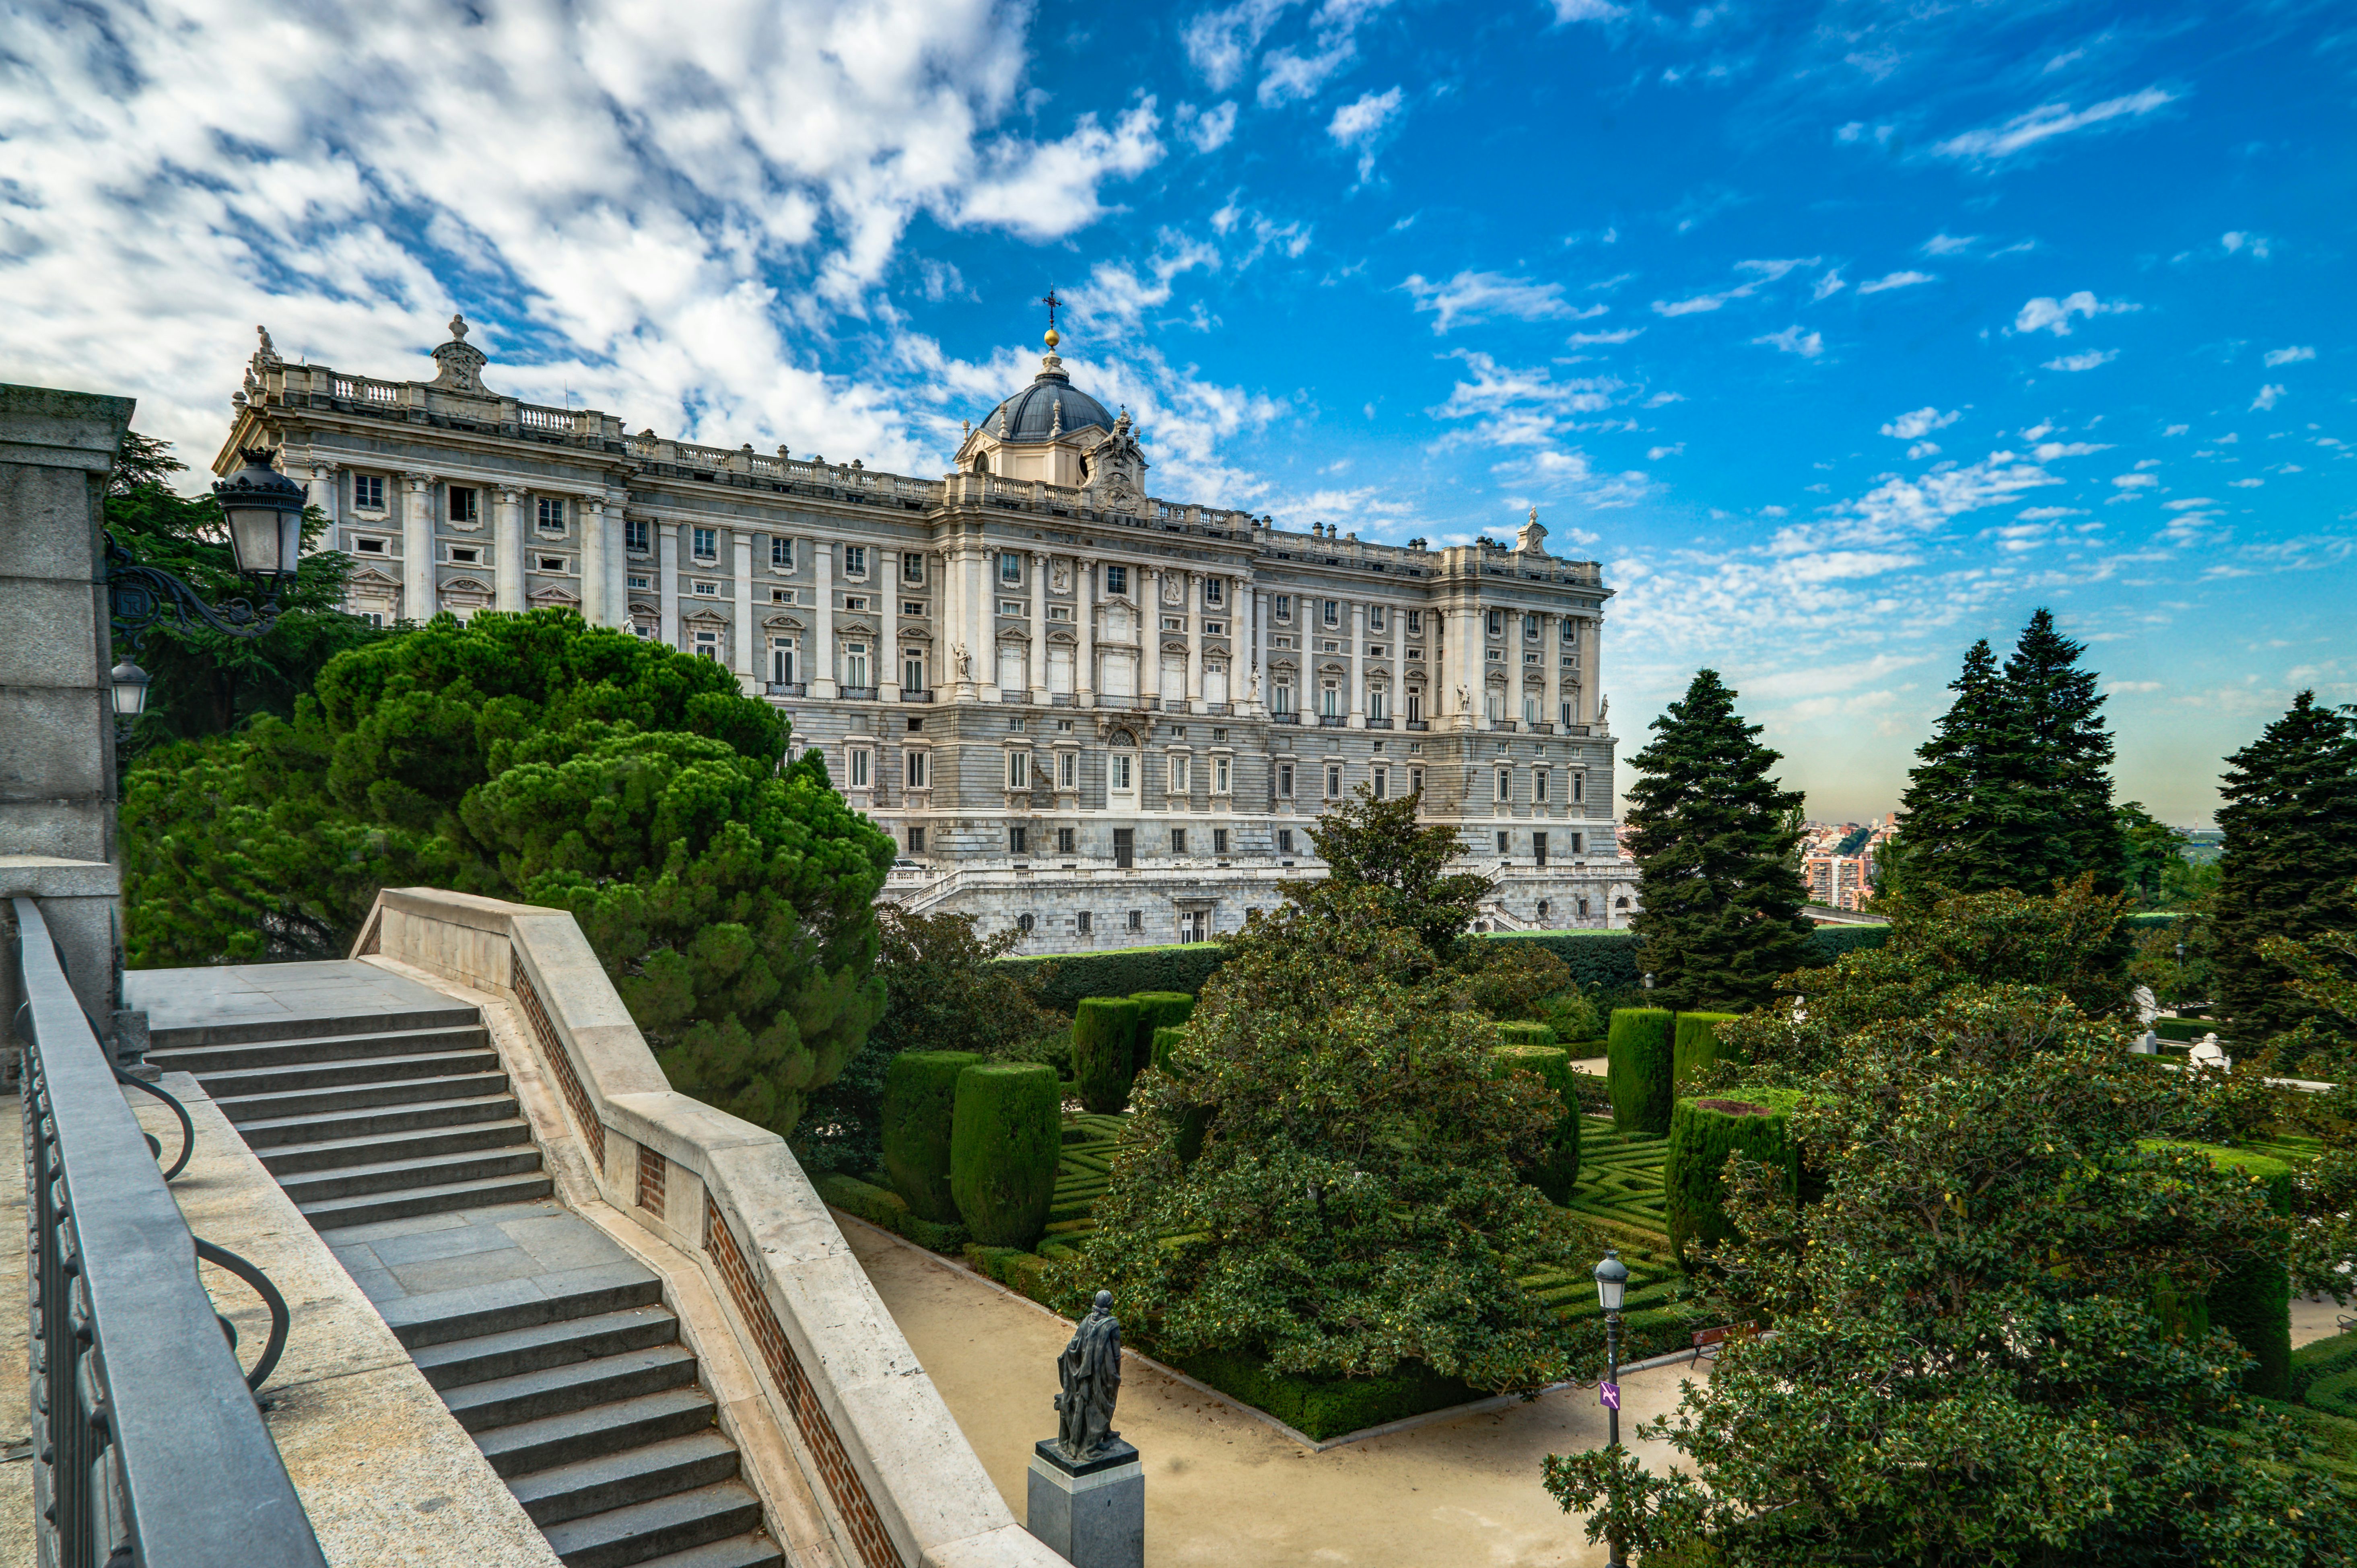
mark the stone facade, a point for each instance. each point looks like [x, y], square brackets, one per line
[1099, 716]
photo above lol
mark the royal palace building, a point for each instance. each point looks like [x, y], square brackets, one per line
[1099, 716]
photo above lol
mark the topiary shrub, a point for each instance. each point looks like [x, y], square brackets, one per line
[1157, 1010]
[1639, 1049]
[1105, 1052]
[1526, 1034]
[1007, 1137]
[1693, 1048]
[1166, 1040]
[1560, 1172]
[1756, 1123]
[2251, 1298]
[920, 1096]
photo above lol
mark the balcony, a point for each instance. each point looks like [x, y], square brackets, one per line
[1286, 717]
[857, 693]
[915, 694]
[1507, 725]
[1332, 721]
[1014, 696]
[1379, 724]
[788, 688]
[1419, 724]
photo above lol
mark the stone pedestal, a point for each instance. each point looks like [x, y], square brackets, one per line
[1091, 1515]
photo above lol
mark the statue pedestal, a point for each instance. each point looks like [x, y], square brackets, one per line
[1091, 1515]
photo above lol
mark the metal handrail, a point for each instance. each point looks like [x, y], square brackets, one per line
[150, 1448]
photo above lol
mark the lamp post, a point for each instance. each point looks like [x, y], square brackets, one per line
[2180, 972]
[1611, 1286]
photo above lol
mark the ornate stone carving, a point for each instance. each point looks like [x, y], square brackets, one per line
[1090, 1373]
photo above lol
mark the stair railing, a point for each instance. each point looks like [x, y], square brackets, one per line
[148, 1445]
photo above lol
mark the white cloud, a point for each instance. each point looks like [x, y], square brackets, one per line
[1948, 244]
[2188, 502]
[2236, 241]
[1793, 340]
[2046, 452]
[1586, 10]
[2248, 484]
[2288, 355]
[2268, 395]
[2135, 481]
[1827, 286]
[2176, 430]
[2135, 686]
[1922, 450]
[1587, 340]
[1655, 453]
[2086, 362]
[1763, 273]
[1359, 122]
[1914, 426]
[2047, 314]
[2048, 513]
[1895, 280]
[1477, 297]
[2049, 119]
[1208, 129]
[1046, 190]
[1288, 76]
[1220, 43]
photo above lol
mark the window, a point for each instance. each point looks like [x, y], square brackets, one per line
[1023, 923]
[913, 767]
[1505, 844]
[1539, 786]
[912, 566]
[376, 618]
[1138, 919]
[1531, 659]
[1222, 774]
[1578, 843]
[1416, 780]
[1012, 608]
[1414, 627]
[705, 542]
[634, 534]
[1579, 788]
[552, 563]
[1530, 628]
[1285, 841]
[1375, 620]
[854, 560]
[1496, 704]
[1215, 628]
[1178, 841]
[1414, 706]
[1067, 770]
[913, 608]
[862, 764]
[781, 595]
[462, 503]
[371, 546]
[1375, 651]
[1620, 903]
[1497, 623]
[1215, 591]
[1332, 614]
[1583, 906]
[1018, 841]
[1530, 707]
[1333, 781]
[781, 552]
[639, 583]
[1011, 568]
[1415, 654]
[708, 590]
[707, 645]
[1219, 841]
[368, 491]
[1055, 612]
[1329, 699]
[1282, 698]
[1283, 604]
[912, 669]
[916, 840]
[1382, 784]
[1174, 623]
[1177, 771]
[1018, 770]
[1542, 903]
[464, 556]
[1505, 784]
[1081, 922]
[854, 664]
[1379, 704]
[1331, 647]
[1285, 779]
[1063, 841]
[853, 605]
[1118, 582]
[552, 512]
[1119, 778]
[1497, 656]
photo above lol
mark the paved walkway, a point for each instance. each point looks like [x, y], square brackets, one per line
[245, 993]
[1224, 1489]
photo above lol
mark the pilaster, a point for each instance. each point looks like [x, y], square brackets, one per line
[506, 552]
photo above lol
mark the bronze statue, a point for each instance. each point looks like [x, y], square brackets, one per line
[1090, 1372]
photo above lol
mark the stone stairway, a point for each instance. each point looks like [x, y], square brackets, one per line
[395, 1133]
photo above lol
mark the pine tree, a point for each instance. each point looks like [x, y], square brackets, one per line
[1722, 908]
[2290, 855]
[1954, 806]
[2059, 777]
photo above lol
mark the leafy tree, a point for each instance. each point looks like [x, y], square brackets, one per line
[2289, 859]
[205, 682]
[536, 759]
[1355, 1203]
[1378, 846]
[1854, 841]
[1968, 1366]
[2151, 851]
[1713, 835]
[943, 992]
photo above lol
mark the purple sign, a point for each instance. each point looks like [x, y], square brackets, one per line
[1608, 1395]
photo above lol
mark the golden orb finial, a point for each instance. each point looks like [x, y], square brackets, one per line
[1054, 337]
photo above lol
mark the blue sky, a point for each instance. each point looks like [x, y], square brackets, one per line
[1842, 334]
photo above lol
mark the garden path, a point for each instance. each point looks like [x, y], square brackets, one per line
[1223, 1487]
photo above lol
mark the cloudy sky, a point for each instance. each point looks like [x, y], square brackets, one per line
[1842, 333]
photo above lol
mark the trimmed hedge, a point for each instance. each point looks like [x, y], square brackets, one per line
[1527, 1035]
[919, 1094]
[1559, 1174]
[2324, 1374]
[1007, 1137]
[1321, 1408]
[1694, 1050]
[1639, 1049]
[2252, 1299]
[1124, 972]
[1166, 1040]
[1105, 1052]
[886, 1210]
[1754, 1123]
[1157, 1010]
[2187, 1029]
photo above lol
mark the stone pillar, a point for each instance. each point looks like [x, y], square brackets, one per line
[1085, 616]
[1551, 650]
[667, 579]
[1191, 609]
[741, 613]
[819, 655]
[507, 552]
[1591, 669]
[1396, 621]
[325, 490]
[1260, 645]
[1149, 630]
[607, 516]
[980, 618]
[1358, 719]
[887, 650]
[1039, 629]
[417, 547]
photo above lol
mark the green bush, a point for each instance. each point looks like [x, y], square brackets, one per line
[1639, 1048]
[2184, 1028]
[1560, 1173]
[1526, 1035]
[1166, 1040]
[1124, 972]
[1695, 1048]
[1105, 1052]
[887, 1211]
[1157, 1010]
[2251, 1299]
[1004, 1146]
[1321, 1408]
[919, 1094]
[2322, 1358]
[1753, 1123]
[1572, 1015]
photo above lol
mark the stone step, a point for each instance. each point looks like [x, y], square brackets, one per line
[360, 1126]
[373, 1208]
[409, 1174]
[358, 1072]
[304, 1102]
[287, 1160]
[458, 1362]
[555, 1391]
[652, 1470]
[622, 1537]
[501, 1305]
[327, 1025]
[738, 1552]
[531, 1446]
[205, 1060]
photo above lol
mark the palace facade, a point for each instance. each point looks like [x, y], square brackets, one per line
[1099, 716]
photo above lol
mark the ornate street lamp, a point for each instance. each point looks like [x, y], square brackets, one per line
[130, 684]
[1611, 1287]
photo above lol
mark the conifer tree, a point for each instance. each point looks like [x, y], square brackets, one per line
[1953, 804]
[2289, 859]
[2058, 770]
[1722, 907]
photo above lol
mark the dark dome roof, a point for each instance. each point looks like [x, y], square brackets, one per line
[1031, 413]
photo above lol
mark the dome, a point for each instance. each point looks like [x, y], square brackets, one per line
[1031, 414]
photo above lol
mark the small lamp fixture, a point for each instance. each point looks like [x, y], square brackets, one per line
[1649, 980]
[1611, 1280]
[130, 684]
[264, 509]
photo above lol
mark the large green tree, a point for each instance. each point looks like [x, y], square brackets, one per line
[1713, 833]
[728, 892]
[2289, 859]
[1378, 845]
[1954, 802]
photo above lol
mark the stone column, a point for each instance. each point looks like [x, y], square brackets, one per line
[820, 654]
[1591, 669]
[667, 579]
[417, 547]
[1259, 598]
[1039, 628]
[1358, 719]
[1395, 620]
[1084, 616]
[1149, 599]
[1191, 608]
[741, 613]
[888, 651]
[325, 490]
[608, 515]
[1551, 650]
